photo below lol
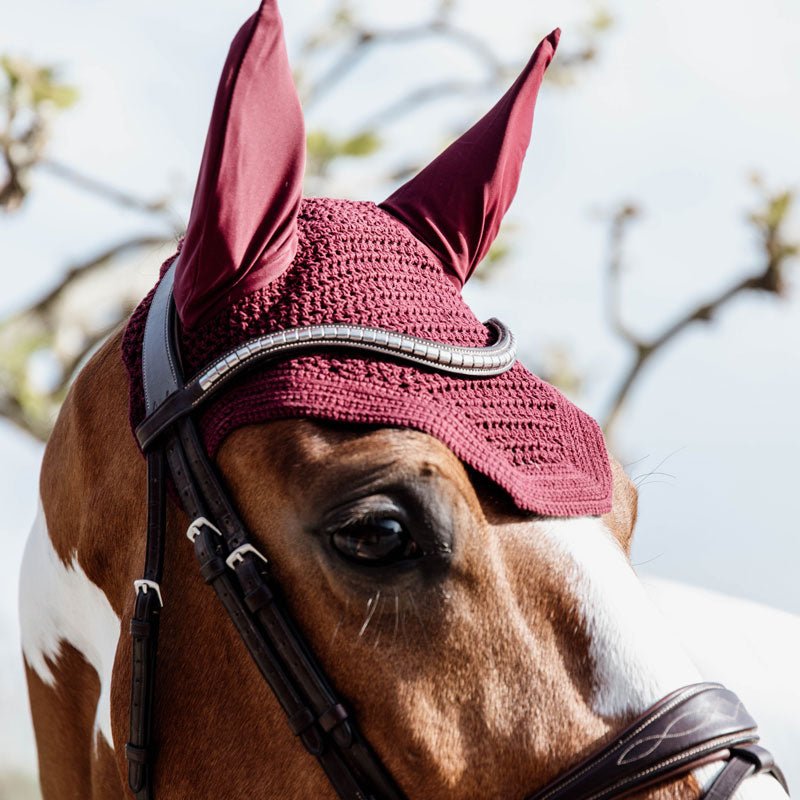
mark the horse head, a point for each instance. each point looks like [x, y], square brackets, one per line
[449, 551]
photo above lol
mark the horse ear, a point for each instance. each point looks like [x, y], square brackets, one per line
[456, 204]
[242, 231]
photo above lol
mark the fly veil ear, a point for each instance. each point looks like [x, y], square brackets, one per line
[456, 204]
[261, 262]
[242, 231]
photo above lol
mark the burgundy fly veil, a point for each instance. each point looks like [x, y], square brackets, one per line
[258, 259]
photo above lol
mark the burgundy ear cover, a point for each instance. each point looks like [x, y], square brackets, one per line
[456, 204]
[357, 264]
[242, 232]
[258, 259]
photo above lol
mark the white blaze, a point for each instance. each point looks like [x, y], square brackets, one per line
[58, 603]
[636, 660]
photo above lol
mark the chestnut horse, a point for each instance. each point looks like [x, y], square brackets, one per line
[485, 680]
[483, 672]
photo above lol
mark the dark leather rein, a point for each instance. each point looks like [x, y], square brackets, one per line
[693, 726]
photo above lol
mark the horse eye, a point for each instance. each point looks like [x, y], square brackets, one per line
[375, 542]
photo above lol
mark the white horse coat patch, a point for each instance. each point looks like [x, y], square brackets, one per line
[58, 603]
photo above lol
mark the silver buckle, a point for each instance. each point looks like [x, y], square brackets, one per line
[145, 584]
[235, 556]
[193, 531]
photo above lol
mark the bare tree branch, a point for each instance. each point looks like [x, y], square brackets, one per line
[422, 95]
[42, 306]
[778, 251]
[105, 191]
[92, 343]
[364, 40]
[12, 410]
[619, 227]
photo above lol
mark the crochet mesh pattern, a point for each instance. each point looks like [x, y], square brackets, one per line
[357, 264]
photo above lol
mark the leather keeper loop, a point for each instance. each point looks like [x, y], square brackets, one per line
[333, 717]
[138, 755]
[137, 774]
[258, 598]
[300, 721]
[313, 740]
[140, 629]
[212, 569]
[755, 754]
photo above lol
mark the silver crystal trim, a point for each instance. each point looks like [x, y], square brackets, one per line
[453, 359]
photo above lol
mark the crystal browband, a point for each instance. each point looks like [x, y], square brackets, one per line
[472, 362]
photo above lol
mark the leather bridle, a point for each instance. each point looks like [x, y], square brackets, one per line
[693, 726]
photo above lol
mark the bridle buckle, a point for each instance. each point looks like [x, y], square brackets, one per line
[144, 584]
[193, 531]
[237, 556]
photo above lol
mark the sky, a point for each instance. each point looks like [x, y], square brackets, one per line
[687, 99]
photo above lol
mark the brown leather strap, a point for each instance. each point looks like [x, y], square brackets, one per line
[744, 762]
[144, 633]
[688, 727]
[161, 377]
[210, 545]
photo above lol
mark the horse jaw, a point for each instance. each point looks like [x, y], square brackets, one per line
[57, 604]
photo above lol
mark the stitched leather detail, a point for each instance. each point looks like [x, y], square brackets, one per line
[722, 712]
[259, 597]
[691, 726]
[332, 717]
[213, 568]
[136, 754]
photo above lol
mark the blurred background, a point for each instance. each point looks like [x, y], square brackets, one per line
[648, 264]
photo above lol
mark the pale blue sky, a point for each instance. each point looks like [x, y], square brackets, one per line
[687, 98]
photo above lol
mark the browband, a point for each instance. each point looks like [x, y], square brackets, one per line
[163, 410]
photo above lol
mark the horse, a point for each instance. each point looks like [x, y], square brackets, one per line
[486, 633]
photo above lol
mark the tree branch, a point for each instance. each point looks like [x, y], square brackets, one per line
[418, 97]
[619, 228]
[12, 410]
[43, 305]
[92, 343]
[105, 191]
[778, 252]
[364, 40]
